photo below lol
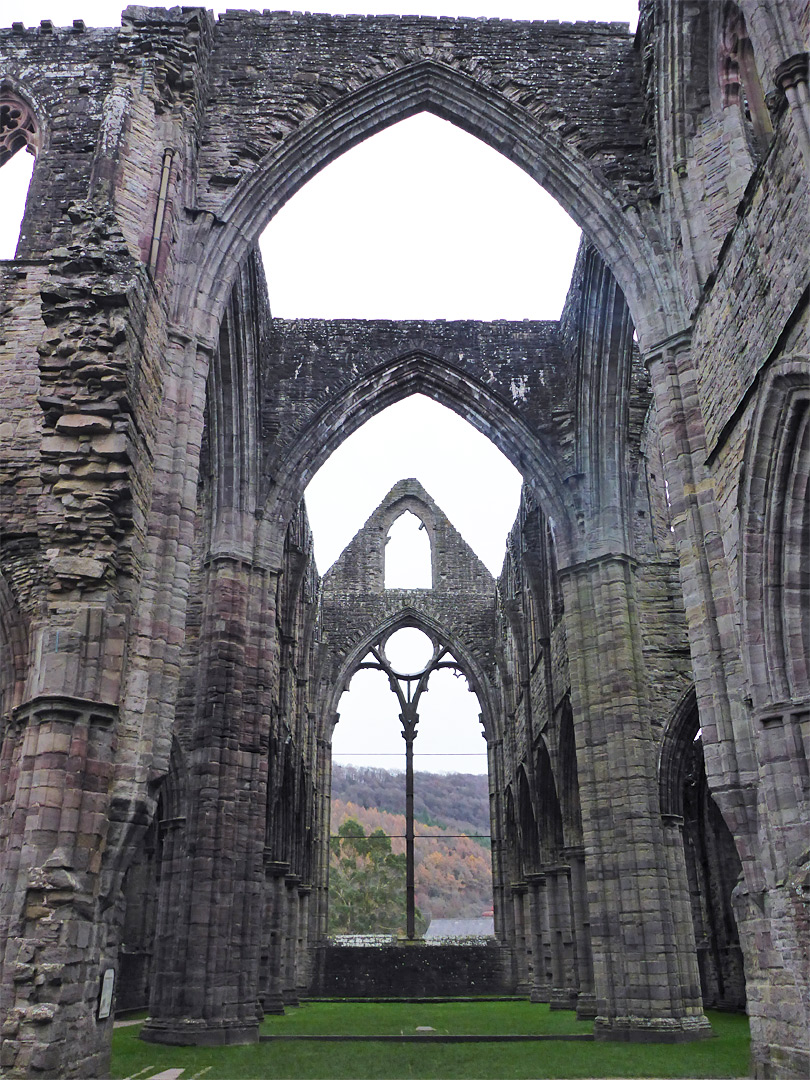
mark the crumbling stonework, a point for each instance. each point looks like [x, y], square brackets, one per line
[166, 680]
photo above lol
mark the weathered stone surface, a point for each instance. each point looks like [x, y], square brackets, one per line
[168, 654]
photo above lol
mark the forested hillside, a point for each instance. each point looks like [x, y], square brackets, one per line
[457, 801]
[453, 875]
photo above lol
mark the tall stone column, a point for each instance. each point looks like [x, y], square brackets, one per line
[564, 987]
[519, 894]
[303, 966]
[731, 764]
[635, 941]
[55, 940]
[688, 971]
[586, 999]
[538, 899]
[272, 950]
[289, 988]
[168, 950]
[215, 999]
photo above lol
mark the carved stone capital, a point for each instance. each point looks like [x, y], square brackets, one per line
[792, 71]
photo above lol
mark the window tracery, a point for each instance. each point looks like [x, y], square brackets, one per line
[18, 126]
[408, 657]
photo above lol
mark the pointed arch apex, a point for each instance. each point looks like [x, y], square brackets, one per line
[483, 111]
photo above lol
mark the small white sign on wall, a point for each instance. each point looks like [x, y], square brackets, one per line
[105, 997]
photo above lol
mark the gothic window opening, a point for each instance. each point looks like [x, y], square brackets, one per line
[776, 552]
[739, 79]
[418, 862]
[18, 132]
[408, 554]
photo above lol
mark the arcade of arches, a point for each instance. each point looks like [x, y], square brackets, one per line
[171, 661]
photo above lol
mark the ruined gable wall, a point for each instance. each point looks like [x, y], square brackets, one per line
[354, 602]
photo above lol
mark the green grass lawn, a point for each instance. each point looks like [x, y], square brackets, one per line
[724, 1056]
[448, 1018]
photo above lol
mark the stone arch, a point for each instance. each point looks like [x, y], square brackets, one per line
[412, 374]
[528, 831]
[14, 649]
[604, 367]
[20, 131]
[411, 506]
[173, 794]
[20, 127]
[511, 852]
[680, 733]
[711, 859]
[409, 617]
[568, 776]
[549, 812]
[476, 108]
[774, 505]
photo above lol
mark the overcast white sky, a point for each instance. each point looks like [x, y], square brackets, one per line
[421, 221]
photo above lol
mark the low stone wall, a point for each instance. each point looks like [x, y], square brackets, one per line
[404, 971]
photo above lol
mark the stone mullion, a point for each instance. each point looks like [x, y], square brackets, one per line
[541, 988]
[54, 935]
[634, 941]
[586, 999]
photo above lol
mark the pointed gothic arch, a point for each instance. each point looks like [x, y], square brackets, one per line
[409, 617]
[221, 245]
[679, 734]
[399, 544]
[417, 373]
[774, 505]
[14, 650]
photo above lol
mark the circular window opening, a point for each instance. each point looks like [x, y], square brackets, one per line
[409, 650]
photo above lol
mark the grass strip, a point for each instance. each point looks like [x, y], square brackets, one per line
[725, 1056]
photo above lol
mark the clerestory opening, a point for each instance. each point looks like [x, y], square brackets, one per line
[471, 480]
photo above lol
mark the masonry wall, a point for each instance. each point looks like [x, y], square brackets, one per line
[157, 445]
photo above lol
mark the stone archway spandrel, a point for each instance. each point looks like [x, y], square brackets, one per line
[605, 201]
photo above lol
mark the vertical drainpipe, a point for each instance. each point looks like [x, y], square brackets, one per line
[160, 210]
